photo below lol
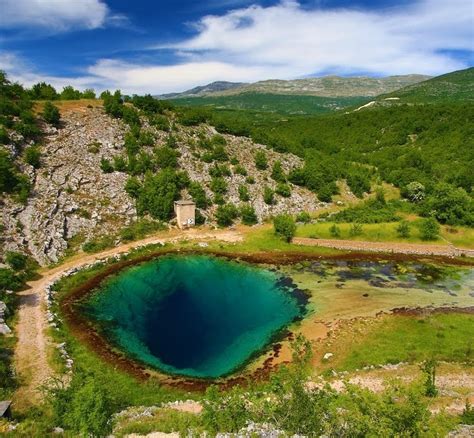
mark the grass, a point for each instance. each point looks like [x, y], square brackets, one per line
[386, 232]
[394, 339]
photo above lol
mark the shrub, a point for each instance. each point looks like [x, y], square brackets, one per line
[33, 156]
[277, 172]
[106, 165]
[250, 180]
[133, 187]
[268, 195]
[166, 157]
[303, 217]
[226, 214]
[283, 190]
[16, 260]
[403, 229]
[244, 193]
[197, 192]
[355, 229]
[218, 185]
[335, 231]
[249, 217]
[429, 229]
[284, 226]
[219, 153]
[51, 114]
[240, 170]
[261, 162]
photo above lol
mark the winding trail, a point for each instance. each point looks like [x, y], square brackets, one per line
[31, 362]
[389, 247]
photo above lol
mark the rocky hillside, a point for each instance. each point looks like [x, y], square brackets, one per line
[74, 200]
[204, 90]
[328, 86]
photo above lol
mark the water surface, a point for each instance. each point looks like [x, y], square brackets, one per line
[196, 316]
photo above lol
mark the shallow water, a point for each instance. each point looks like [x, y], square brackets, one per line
[196, 316]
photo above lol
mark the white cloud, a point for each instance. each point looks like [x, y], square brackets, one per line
[287, 41]
[53, 15]
[403, 40]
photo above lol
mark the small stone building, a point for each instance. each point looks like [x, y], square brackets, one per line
[185, 213]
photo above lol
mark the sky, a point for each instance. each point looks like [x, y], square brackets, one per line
[162, 46]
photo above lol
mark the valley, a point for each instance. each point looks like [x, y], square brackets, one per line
[365, 215]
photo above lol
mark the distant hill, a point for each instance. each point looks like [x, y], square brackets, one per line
[273, 103]
[455, 86]
[328, 86]
[203, 90]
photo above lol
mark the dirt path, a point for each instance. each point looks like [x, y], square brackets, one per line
[390, 247]
[31, 353]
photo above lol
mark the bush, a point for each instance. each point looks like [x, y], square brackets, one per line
[355, 229]
[159, 192]
[244, 193]
[249, 217]
[219, 153]
[240, 170]
[33, 156]
[283, 190]
[226, 214]
[403, 229]
[303, 217]
[335, 231]
[166, 157]
[277, 172]
[106, 166]
[372, 211]
[284, 226]
[429, 229]
[261, 162]
[450, 205]
[268, 195]
[218, 186]
[16, 260]
[198, 194]
[133, 187]
[51, 114]
[250, 180]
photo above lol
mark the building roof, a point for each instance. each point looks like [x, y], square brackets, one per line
[4, 405]
[185, 202]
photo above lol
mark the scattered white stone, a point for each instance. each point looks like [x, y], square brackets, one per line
[328, 356]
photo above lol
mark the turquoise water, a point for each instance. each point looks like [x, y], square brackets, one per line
[196, 316]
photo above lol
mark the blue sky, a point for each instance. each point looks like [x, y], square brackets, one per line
[164, 45]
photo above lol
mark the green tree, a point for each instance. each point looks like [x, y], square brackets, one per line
[70, 93]
[226, 214]
[429, 229]
[16, 260]
[159, 192]
[197, 192]
[285, 227]
[248, 215]
[166, 157]
[88, 93]
[51, 114]
[133, 187]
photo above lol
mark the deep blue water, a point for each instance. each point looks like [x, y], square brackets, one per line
[194, 315]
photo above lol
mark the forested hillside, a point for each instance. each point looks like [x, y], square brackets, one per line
[425, 145]
[455, 86]
[277, 103]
